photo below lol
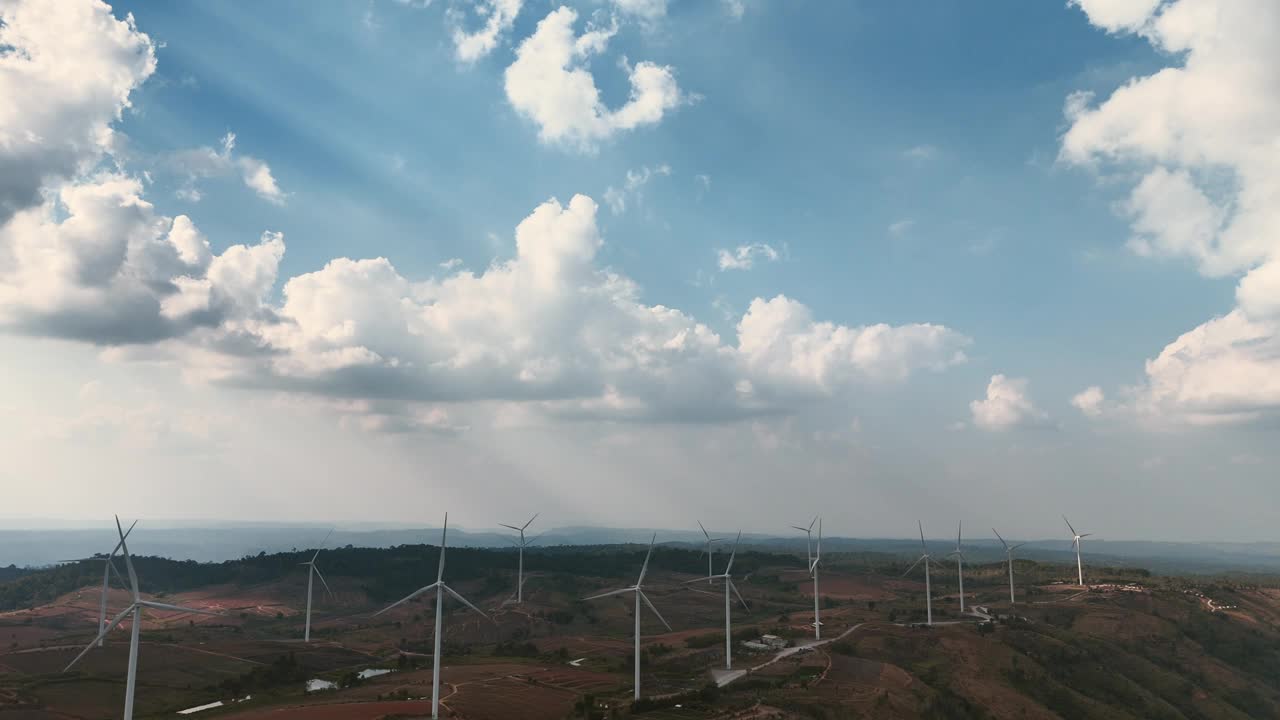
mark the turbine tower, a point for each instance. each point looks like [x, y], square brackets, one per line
[814, 560]
[708, 549]
[959, 555]
[637, 589]
[928, 589]
[728, 585]
[1008, 551]
[312, 573]
[521, 545]
[1075, 543]
[108, 567]
[134, 610]
[441, 588]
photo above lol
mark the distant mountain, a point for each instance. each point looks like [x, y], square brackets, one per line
[218, 542]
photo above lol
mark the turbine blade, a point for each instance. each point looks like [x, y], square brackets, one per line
[174, 608]
[325, 540]
[801, 529]
[645, 568]
[1068, 522]
[920, 525]
[535, 538]
[110, 626]
[614, 592]
[703, 579]
[511, 527]
[1002, 542]
[646, 600]
[407, 598]
[1015, 547]
[1086, 535]
[704, 530]
[811, 522]
[704, 592]
[322, 582]
[817, 556]
[444, 537]
[526, 525]
[128, 561]
[463, 600]
[733, 554]
[745, 606]
[959, 530]
[913, 565]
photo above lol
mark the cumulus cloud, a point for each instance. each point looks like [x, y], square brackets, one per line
[207, 162]
[550, 329]
[1089, 401]
[901, 228]
[550, 84]
[1006, 406]
[498, 15]
[631, 188]
[97, 263]
[56, 119]
[1203, 132]
[744, 256]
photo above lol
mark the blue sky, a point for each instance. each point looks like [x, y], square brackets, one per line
[894, 163]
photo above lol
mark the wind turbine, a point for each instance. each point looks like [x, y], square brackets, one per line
[312, 573]
[708, 549]
[928, 589]
[134, 609]
[959, 555]
[108, 567]
[1075, 542]
[728, 585]
[522, 544]
[814, 560]
[637, 589]
[1008, 551]
[439, 585]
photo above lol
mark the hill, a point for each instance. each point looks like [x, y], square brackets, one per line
[1132, 645]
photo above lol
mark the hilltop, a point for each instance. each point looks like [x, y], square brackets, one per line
[1134, 645]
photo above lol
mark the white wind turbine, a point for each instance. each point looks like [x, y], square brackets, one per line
[638, 590]
[1008, 551]
[1075, 543]
[959, 555]
[134, 609]
[521, 545]
[312, 573]
[728, 585]
[928, 588]
[708, 549]
[108, 567]
[814, 560]
[441, 588]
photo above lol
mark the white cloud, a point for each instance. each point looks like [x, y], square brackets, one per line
[499, 16]
[647, 11]
[744, 256]
[921, 153]
[550, 84]
[1203, 133]
[632, 186]
[66, 71]
[451, 264]
[1006, 406]
[735, 8]
[1089, 401]
[550, 329]
[97, 263]
[901, 227]
[206, 162]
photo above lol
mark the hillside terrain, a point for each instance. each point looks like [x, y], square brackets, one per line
[1132, 645]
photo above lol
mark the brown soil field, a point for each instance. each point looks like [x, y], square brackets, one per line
[510, 697]
[339, 711]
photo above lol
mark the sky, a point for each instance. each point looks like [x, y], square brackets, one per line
[644, 262]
